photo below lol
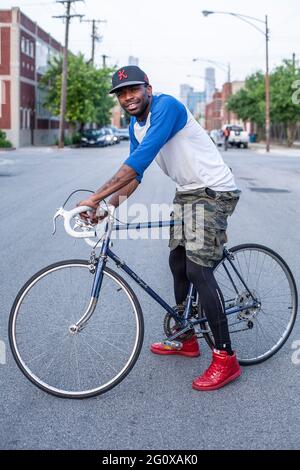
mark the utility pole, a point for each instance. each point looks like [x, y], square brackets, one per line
[266, 33]
[104, 57]
[267, 85]
[229, 73]
[94, 35]
[63, 97]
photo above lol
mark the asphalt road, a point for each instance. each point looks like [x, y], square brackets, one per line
[155, 406]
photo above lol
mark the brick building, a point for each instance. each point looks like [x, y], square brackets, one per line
[216, 113]
[213, 118]
[226, 93]
[24, 53]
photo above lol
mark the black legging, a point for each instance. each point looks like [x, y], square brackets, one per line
[185, 271]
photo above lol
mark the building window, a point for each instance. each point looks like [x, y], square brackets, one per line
[31, 49]
[2, 95]
[28, 118]
[27, 47]
[41, 111]
[23, 120]
[23, 44]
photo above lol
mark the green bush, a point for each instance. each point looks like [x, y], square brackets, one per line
[4, 143]
[67, 141]
[76, 138]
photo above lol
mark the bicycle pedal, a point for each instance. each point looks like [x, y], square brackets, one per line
[173, 344]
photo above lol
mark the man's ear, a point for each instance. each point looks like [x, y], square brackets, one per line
[149, 90]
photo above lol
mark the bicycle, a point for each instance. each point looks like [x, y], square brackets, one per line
[76, 327]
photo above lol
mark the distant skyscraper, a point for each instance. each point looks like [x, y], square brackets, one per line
[133, 60]
[185, 90]
[196, 102]
[193, 100]
[210, 83]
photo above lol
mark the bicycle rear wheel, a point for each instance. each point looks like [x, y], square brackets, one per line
[257, 333]
[82, 364]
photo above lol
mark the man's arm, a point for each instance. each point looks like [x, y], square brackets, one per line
[118, 198]
[123, 193]
[122, 178]
[122, 183]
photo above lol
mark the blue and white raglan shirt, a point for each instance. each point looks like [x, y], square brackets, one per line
[179, 145]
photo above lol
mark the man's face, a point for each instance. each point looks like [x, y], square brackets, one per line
[135, 99]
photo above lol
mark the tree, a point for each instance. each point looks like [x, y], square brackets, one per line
[284, 108]
[249, 102]
[103, 102]
[87, 91]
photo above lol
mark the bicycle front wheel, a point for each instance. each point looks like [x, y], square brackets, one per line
[85, 363]
[257, 333]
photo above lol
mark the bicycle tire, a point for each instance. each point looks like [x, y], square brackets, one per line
[294, 298]
[132, 300]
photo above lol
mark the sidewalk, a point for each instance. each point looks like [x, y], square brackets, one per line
[275, 149]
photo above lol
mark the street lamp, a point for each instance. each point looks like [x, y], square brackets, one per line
[265, 32]
[201, 76]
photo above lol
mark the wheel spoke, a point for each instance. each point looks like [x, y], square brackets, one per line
[270, 282]
[82, 363]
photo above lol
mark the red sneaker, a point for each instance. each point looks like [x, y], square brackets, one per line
[189, 347]
[223, 369]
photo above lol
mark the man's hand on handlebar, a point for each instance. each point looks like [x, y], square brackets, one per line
[89, 216]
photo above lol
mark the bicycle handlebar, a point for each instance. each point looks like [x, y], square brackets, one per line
[87, 231]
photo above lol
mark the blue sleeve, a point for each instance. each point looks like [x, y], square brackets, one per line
[168, 117]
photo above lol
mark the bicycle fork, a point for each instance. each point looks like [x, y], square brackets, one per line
[98, 278]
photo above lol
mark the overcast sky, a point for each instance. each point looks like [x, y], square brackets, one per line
[167, 34]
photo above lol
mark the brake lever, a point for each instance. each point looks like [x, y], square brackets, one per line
[82, 223]
[56, 215]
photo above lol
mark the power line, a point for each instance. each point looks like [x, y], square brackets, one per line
[63, 99]
[95, 36]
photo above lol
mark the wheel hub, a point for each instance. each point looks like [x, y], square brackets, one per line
[73, 329]
[244, 299]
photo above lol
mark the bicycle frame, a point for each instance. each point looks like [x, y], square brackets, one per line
[184, 320]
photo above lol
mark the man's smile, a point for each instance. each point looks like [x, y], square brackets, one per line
[131, 106]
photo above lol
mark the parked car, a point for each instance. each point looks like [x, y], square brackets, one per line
[217, 137]
[123, 133]
[111, 136]
[237, 137]
[93, 138]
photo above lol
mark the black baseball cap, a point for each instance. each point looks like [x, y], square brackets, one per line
[126, 76]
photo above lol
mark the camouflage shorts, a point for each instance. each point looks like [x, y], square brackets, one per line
[203, 233]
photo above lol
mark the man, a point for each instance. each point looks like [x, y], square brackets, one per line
[226, 137]
[161, 128]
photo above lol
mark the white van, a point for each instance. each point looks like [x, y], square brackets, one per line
[238, 137]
